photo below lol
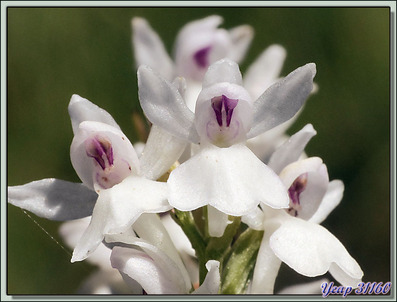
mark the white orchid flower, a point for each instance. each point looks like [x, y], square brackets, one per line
[113, 189]
[293, 235]
[198, 44]
[224, 174]
[156, 271]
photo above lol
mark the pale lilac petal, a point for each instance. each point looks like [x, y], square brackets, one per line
[292, 149]
[233, 180]
[331, 199]
[161, 151]
[212, 281]
[311, 250]
[164, 106]
[154, 272]
[241, 37]
[81, 109]
[224, 70]
[282, 100]
[54, 199]
[118, 208]
[149, 49]
[125, 160]
[265, 70]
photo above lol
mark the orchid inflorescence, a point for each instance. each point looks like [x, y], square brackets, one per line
[218, 196]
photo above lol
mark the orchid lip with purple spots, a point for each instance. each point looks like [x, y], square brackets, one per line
[101, 150]
[223, 102]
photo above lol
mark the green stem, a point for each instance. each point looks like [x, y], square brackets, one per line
[241, 262]
[186, 221]
[218, 247]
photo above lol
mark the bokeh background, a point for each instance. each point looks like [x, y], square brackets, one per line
[56, 52]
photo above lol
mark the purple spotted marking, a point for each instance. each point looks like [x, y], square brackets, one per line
[297, 187]
[201, 57]
[101, 150]
[223, 104]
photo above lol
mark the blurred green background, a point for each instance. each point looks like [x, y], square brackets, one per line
[56, 52]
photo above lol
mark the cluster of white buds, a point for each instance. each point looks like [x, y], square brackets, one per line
[218, 196]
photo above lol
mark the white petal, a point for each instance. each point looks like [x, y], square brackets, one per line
[149, 228]
[118, 208]
[295, 169]
[178, 237]
[224, 70]
[267, 264]
[282, 100]
[217, 222]
[310, 199]
[193, 90]
[233, 180]
[346, 279]
[161, 256]
[125, 158]
[292, 149]
[81, 109]
[254, 219]
[154, 272]
[164, 106]
[241, 37]
[212, 281]
[134, 194]
[54, 199]
[331, 199]
[149, 49]
[311, 250]
[183, 246]
[265, 70]
[71, 232]
[161, 151]
[94, 233]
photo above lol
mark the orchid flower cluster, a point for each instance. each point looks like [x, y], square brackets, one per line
[218, 196]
